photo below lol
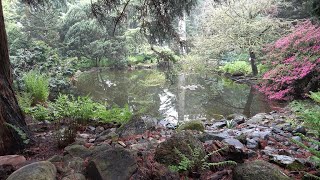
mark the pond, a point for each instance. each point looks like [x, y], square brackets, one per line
[185, 97]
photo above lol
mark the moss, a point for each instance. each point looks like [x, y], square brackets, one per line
[295, 166]
[258, 170]
[192, 125]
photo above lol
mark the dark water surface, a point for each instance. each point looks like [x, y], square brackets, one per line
[191, 96]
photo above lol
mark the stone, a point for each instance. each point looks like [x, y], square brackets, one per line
[78, 151]
[300, 129]
[106, 135]
[218, 125]
[207, 136]
[252, 144]
[137, 125]
[12, 160]
[297, 138]
[75, 176]
[256, 119]
[260, 134]
[99, 148]
[43, 170]
[282, 159]
[234, 142]
[192, 125]
[115, 164]
[184, 142]
[5, 171]
[238, 118]
[99, 129]
[258, 170]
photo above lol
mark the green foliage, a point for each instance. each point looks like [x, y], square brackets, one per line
[230, 124]
[22, 134]
[80, 109]
[315, 96]
[237, 67]
[38, 86]
[196, 163]
[25, 101]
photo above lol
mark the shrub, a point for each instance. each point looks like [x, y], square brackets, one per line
[237, 67]
[25, 101]
[295, 62]
[38, 86]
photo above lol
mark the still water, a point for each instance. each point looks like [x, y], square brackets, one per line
[185, 97]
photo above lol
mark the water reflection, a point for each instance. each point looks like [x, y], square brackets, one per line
[191, 97]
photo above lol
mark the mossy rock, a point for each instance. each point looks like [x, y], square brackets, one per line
[261, 170]
[192, 125]
[185, 143]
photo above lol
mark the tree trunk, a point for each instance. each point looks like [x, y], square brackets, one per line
[12, 122]
[182, 34]
[253, 64]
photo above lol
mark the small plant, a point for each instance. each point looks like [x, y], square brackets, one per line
[315, 96]
[23, 135]
[230, 124]
[25, 101]
[196, 163]
[38, 86]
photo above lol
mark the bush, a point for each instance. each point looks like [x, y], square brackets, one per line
[237, 67]
[295, 62]
[38, 87]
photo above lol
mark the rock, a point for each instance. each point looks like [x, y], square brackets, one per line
[78, 151]
[238, 118]
[99, 148]
[252, 144]
[185, 142]
[213, 136]
[234, 142]
[268, 150]
[218, 125]
[137, 125]
[192, 125]
[84, 136]
[75, 176]
[300, 129]
[43, 170]
[99, 129]
[297, 138]
[106, 135]
[258, 170]
[260, 134]
[256, 119]
[282, 159]
[12, 160]
[116, 163]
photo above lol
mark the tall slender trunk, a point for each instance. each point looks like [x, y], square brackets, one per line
[12, 122]
[253, 63]
[182, 34]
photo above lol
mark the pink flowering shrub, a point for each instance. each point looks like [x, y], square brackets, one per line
[295, 64]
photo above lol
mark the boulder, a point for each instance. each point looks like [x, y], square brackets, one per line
[75, 176]
[115, 164]
[78, 151]
[208, 136]
[43, 170]
[238, 118]
[184, 142]
[192, 125]
[12, 160]
[255, 170]
[137, 125]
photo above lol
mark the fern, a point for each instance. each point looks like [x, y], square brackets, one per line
[207, 165]
[315, 96]
[22, 135]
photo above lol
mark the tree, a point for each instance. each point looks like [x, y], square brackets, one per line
[238, 26]
[12, 122]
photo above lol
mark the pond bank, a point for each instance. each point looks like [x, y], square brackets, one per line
[132, 150]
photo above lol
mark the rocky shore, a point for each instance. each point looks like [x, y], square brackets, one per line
[261, 147]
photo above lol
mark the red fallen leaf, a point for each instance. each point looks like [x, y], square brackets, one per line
[263, 143]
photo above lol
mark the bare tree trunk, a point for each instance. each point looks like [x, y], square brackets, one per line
[12, 122]
[253, 64]
[182, 34]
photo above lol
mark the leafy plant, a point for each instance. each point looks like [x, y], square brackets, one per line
[38, 86]
[23, 135]
[315, 96]
[196, 163]
[25, 101]
[230, 124]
